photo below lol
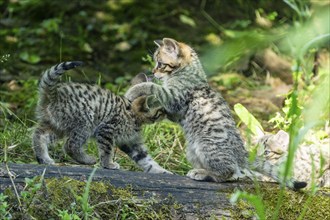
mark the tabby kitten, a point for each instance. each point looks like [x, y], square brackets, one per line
[307, 160]
[80, 111]
[214, 145]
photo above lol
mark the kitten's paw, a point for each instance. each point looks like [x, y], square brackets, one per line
[48, 161]
[112, 166]
[166, 171]
[201, 175]
[157, 169]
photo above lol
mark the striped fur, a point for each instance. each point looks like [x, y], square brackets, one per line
[214, 145]
[81, 111]
[307, 161]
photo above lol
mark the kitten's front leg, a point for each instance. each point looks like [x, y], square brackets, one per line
[142, 89]
[138, 153]
[151, 166]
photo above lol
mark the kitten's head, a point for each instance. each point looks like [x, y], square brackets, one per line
[273, 146]
[148, 109]
[171, 56]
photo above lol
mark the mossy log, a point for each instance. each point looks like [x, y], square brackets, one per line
[197, 198]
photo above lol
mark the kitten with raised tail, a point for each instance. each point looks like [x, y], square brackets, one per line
[78, 112]
[311, 162]
[214, 146]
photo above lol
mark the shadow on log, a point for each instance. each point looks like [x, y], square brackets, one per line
[197, 198]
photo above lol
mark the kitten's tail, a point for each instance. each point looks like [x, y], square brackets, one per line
[51, 76]
[270, 170]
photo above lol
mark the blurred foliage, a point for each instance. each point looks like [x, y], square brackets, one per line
[295, 41]
[112, 35]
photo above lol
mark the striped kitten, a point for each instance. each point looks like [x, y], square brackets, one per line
[307, 160]
[214, 146]
[80, 111]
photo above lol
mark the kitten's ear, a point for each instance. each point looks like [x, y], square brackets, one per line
[139, 78]
[171, 45]
[159, 43]
[283, 140]
[152, 102]
[279, 142]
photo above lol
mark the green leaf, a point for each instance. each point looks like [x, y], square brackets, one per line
[87, 48]
[254, 200]
[251, 122]
[187, 20]
[29, 58]
[239, 44]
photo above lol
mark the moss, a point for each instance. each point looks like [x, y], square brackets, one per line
[293, 204]
[104, 202]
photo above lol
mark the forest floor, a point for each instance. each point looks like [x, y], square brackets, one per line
[114, 39]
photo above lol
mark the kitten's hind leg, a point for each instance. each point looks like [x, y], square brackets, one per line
[106, 152]
[74, 147]
[208, 167]
[138, 153]
[40, 142]
[208, 176]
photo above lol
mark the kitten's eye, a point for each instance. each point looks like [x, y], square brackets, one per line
[266, 152]
[264, 142]
[157, 115]
[160, 65]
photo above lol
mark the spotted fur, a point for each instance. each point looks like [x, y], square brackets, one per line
[80, 111]
[214, 146]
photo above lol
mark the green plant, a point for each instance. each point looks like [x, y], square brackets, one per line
[64, 215]
[83, 200]
[4, 58]
[251, 122]
[165, 141]
[31, 188]
[4, 212]
[86, 208]
[301, 8]
[255, 200]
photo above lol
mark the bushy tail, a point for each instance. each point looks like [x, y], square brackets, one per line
[270, 170]
[51, 76]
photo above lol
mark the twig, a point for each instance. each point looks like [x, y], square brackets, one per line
[209, 18]
[12, 181]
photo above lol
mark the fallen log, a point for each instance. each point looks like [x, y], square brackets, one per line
[197, 199]
[210, 198]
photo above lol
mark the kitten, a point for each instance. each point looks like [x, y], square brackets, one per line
[214, 145]
[307, 157]
[81, 111]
